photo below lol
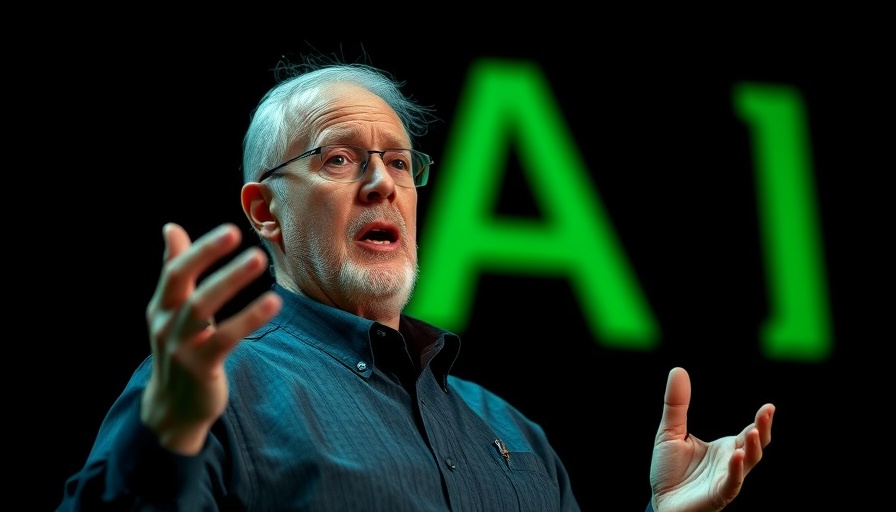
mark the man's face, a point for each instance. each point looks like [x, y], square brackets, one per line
[351, 245]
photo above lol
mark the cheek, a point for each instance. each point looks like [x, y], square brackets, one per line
[410, 218]
[328, 215]
[411, 224]
[306, 216]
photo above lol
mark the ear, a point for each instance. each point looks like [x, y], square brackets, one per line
[256, 199]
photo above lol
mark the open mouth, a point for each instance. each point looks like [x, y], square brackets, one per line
[379, 234]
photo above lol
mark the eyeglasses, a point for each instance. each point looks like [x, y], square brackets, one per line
[347, 164]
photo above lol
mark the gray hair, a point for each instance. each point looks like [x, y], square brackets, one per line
[276, 121]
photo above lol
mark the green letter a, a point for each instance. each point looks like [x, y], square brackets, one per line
[506, 102]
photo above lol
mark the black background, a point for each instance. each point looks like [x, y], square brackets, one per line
[148, 131]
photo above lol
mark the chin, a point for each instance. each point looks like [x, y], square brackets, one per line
[382, 283]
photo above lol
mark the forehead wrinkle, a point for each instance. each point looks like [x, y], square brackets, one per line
[359, 134]
[358, 117]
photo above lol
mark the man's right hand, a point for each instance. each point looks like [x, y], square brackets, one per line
[188, 391]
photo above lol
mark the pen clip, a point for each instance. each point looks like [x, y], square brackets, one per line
[502, 449]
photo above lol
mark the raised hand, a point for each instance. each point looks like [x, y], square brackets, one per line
[188, 390]
[690, 475]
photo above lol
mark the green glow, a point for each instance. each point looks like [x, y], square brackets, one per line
[504, 103]
[799, 324]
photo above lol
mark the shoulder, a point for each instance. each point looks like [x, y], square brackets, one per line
[273, 349]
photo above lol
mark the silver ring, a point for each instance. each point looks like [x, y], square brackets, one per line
[201, 326]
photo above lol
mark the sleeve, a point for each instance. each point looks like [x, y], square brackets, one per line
[127, 469]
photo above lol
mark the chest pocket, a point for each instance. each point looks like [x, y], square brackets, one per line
[535, 489]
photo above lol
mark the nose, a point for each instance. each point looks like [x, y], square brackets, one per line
[376, 180]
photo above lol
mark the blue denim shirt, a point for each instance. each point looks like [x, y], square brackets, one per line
[332, 412]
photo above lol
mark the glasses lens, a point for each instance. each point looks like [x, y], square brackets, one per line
[421, 168]
[405, 165]
[341, 163]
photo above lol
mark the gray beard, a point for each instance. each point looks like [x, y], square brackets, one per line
[383, 291]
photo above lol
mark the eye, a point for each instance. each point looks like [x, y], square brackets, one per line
[400, 160]
[335, 160]
[339, 157]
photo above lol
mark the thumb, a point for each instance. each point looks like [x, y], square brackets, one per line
[674, 423]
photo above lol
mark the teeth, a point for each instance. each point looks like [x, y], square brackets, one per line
[381, 242]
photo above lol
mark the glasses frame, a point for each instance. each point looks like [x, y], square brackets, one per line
[423, 176]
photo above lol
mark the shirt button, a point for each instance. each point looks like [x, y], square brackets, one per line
[361, 366]
[380, 332]
[451, 463]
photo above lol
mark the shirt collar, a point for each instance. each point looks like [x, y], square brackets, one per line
[347, 336]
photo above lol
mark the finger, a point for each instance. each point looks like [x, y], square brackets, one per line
[257, 313]
[732, 484]
[209, 342]
[674, 422]
[755, 436]
[185, 262]
[176, 240]
[224, 284]
[752, 449]
[764, 418]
